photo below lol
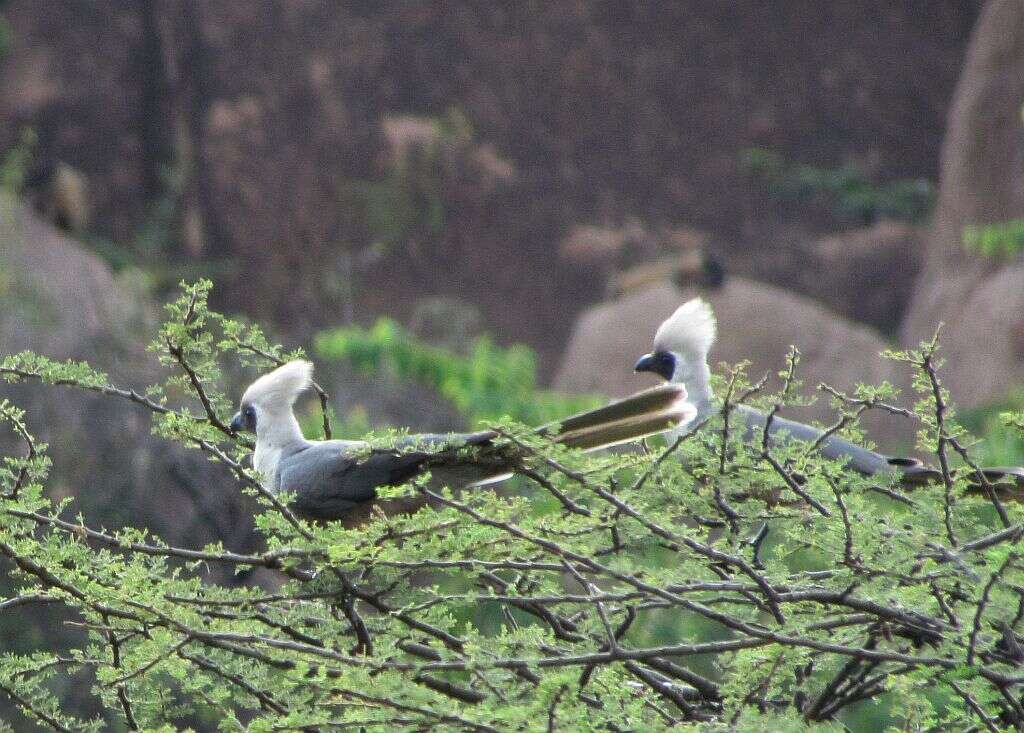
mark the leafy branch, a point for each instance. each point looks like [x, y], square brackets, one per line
[716, 581]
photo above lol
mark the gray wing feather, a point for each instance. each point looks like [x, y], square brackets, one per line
[330, 478]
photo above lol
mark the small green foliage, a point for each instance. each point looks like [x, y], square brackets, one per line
[15, 162]
[717, 584]
[407, 206]
[1002, 240]
[1001, 430]
[6, 36]
[150, 259]
[491, 383]
[851, 195]
[401, 206]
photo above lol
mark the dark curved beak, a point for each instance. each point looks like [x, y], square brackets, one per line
[237, 424]
[661, 363]
[645, 363]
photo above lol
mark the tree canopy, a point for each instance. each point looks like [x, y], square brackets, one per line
[708, 582]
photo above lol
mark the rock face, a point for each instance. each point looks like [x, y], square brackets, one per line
[980, 300]
[83, 77]
[755, 321]
[866, 275]
[60, 301]
[546, 83]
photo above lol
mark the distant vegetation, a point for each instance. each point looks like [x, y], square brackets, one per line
[1003, 239]
[490, 383]
[154, 253]
[5, 34]
[407, 203]
[14, 162]
[1001, 443]
[845, 189]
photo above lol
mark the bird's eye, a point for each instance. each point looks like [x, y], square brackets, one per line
[249, 412]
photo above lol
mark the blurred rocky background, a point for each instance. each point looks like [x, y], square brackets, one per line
[335, 161]
[840, 176]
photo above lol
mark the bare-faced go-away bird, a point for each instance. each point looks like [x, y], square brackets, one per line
[334, 479]
[680, 356]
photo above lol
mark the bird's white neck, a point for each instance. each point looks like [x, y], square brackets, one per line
[694, 374]
[275, 432]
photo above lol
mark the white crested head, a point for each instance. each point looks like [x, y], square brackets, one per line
[281, 387]
[689, 332]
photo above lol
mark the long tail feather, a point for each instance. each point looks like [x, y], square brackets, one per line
[623, 431]
[641, 403]
[638, 416]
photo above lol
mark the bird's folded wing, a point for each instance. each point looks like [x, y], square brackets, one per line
[328, 479]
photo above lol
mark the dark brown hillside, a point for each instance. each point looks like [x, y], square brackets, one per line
[271, 116]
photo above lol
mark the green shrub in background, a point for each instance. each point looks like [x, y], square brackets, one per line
[407, 205]
[1001, 443]
[490, 383]
[5, 35]
[148, 258]
[849, 193]
[1005, 239]
[707, 586]
[14, 163]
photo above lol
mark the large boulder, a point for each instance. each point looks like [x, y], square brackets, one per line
[60, 300]
[866, 274]
[756, 321]
[65, 303]
[980, 299]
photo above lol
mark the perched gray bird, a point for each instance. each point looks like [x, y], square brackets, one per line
[333, 479]
[680, 356]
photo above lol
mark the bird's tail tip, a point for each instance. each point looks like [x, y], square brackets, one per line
[913, 472]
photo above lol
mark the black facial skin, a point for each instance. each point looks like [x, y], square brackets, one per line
[661, 363]
[244, 420]
[714, 274]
